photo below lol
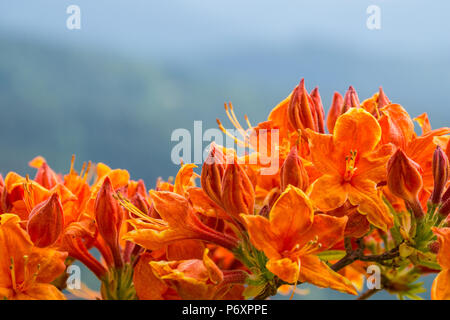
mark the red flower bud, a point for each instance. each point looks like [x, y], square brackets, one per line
[382, 100]
[405, 180]
[109, 216]
[301, 110]
[45, 176]
[46, 222]
[238, 195]
[212, 173]
[335, 111]
[293, 172]
[319, 110]
[440, 174]
[351, 100]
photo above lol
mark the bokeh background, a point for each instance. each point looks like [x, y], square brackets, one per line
[116, 89]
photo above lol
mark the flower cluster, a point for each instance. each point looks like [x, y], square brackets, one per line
[372, 191]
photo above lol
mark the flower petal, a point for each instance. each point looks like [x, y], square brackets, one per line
[356, 130]
[315, 271]
[440, 290]
[328, 193]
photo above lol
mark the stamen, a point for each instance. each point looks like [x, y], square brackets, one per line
[72, 164]
[248, 122]
[82, 169]
[134, 210]
[236, 140]
[88, 169]
[13, 274]
[296, 279]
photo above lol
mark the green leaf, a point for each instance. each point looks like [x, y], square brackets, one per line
[331, 255]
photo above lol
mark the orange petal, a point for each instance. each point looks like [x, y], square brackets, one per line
[184, 178]
[323, 153]
[155, 240]
[315, 271]
[147, 285]
[262, 236]
[440, 290]
[443, 257]
[291, 215]
[328, 193]
[172, 207]
[424, 122]
[364, 194]
[396, 125]
[356, 130]
[285, 269]
[328, 229]
[41, 291]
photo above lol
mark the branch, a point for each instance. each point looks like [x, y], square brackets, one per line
[358, 254]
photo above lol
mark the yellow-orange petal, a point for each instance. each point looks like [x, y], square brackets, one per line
[328, 230]
[285, 269]
[443, 257]
[440, 290]
[291, 215]
[356, 130]
[365, 195]
[328, 193]
[316, 272]
[262, 236]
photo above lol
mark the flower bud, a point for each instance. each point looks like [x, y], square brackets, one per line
[382, 100]
[301, 110]
[45, 176]
[335, 111]
[212, 174]
[238, 195]
[315, 96]
[293, 172]
[440, 174]
[140, 202]
[405, 181]
[351, 100]
[46, 222]
[109, 216]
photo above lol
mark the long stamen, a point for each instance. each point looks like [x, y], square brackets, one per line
[13, 274]
[296, 278]
[248, 122]
[72, 162]
[236, 140]
[134, 210]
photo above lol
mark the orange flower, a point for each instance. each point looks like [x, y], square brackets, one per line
[179, 222]
[352, 163]
[192, 279]
[25, 270]
[440, 289]
[196, 279]
[292, 236]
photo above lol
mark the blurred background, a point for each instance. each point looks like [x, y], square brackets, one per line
[115, 90]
